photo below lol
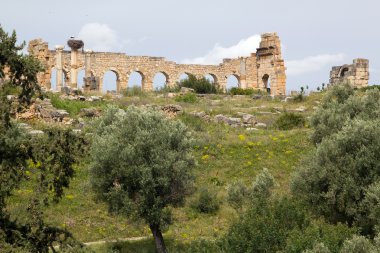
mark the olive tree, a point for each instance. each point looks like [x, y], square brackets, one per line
[141, 166]
[43, 163]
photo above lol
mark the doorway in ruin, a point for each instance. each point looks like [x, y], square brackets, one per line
[160, 81]
[53, 79]
[343, 72]
[136, 81]
[232, 82]
[266, 82]
[110, 80]
[80, 79]
[211, 78]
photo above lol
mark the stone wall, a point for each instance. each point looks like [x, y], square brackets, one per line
[261, 70]
[357, 73]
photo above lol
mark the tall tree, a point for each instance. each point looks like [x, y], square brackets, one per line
[142, 166]
[45, 162]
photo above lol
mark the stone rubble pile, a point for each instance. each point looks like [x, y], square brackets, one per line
[244, 120]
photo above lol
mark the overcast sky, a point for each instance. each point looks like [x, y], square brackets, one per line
[315, 34]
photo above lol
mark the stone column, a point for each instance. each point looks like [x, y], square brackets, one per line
[87, 63]
[74, 68]
[75, 45]
[59, 66]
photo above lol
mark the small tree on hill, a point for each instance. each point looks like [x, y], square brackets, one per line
[142, 166]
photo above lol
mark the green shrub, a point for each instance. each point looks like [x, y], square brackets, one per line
[240, 91]
[264, 227]
[200, 85]
[133, 91]
[206, 201]
[236, 193]
[331, 236]
[187, 98]
[290, 120]
[167, 89]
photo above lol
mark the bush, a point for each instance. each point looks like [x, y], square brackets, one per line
[290, 120]
[200, 85]
[236, 193]
[206, 201]
[331, 236]
[187, 98]
[264, 227]
[133, 91]
[334, 180]
[240, 91]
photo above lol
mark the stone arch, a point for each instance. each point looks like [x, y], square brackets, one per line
[53, 79]
[157, 80]
[232, 80]
[136, 75]
[103, 73]
[266, 83]
[343, 70]
[80, 77]
[212, 78]
[181, 75]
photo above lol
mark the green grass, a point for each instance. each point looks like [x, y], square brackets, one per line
[223, 153]
[73, 107]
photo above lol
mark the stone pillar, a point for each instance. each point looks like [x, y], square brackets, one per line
[75, 45]
[87, 63]
[74, 68]
[59, 66]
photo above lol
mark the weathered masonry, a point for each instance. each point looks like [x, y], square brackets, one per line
[264, 69]
[356, 74]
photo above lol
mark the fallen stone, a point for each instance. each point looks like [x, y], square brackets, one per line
[251, 129]
[90, 112]
[260, 124]
[36, 132]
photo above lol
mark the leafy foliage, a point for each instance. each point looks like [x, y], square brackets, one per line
[200, 85]
[290, 120]
[264, 227]
[333, 181]
[206, 201]
[241, 91]
[187, 98]
[236, 194]
[141, 165]
[340, 106]
[318, 232]
[45, 162]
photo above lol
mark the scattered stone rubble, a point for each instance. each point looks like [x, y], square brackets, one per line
[244, 120]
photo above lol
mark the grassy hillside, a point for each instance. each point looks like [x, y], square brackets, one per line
[224, 154]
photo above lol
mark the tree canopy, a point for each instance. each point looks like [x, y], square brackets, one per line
[141, 165]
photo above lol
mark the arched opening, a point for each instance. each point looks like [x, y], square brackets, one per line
[160, 81]
[232, 82]
[183, 76]
[266, 82]
[136, 80]
[211, 78]
[80, 81]
[343, 72]
[110, 80]
[53, 79]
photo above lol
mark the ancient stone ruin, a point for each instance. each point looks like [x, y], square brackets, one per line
[263, 70]
[356, 74]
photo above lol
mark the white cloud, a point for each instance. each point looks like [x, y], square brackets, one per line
[312, 63]
[243, 48]
[100, 37]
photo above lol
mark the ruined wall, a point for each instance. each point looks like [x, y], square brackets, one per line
[261, 70]
[357, 73]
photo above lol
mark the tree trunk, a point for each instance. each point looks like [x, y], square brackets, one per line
[158, 239]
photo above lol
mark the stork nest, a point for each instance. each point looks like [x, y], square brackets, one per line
[75, 44]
